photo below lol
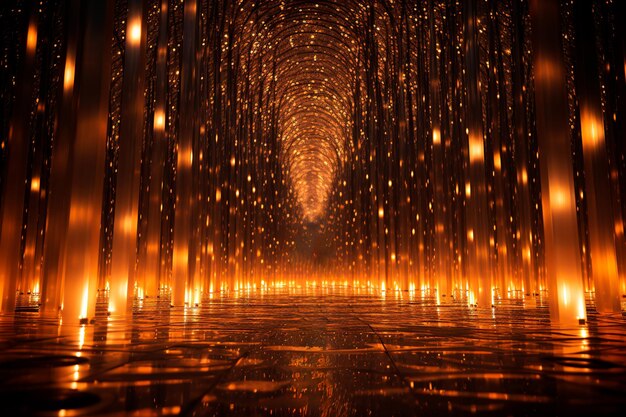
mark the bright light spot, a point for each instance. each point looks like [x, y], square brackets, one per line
[476, 149]
[436, 137]
[68, 77]
[134, 31]
[34, 184]
[159, 120]
[31, 38]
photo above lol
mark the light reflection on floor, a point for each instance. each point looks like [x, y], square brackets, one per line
[336, 354]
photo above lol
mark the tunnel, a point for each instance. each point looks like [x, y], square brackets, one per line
[297, 207]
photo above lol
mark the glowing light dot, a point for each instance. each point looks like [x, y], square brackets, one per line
[159, 120]
[134, 31]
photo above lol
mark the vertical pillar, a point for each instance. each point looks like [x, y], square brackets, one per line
[598, 188]
[479, 268]
[521, 138]
[80, 272]
[498, 127]
[124, 249]
[29, 279]
[563, 267]
[40, 124]
[184, 175]
[442, 275]
[14, 187]
[60, 173]
[72, 247]
[150, 262]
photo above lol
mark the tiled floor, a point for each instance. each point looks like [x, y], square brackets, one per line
[333, 355]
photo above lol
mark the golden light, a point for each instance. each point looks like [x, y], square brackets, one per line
[497, 161]
[436, 137]
[34, 185]
[592, 130]
[546, 69]
[273, 175]
[283, 150]
[128, 225]
[68, 78]
[559, 199]
[84, 305]
[476, 149]
[134, 31]
[31, 37]
[619, 227]
[185, 158]
[159, 120]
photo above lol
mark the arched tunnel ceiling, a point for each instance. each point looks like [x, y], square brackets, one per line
[226, 128]
[309, 49]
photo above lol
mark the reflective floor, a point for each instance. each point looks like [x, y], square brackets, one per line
[332, 354]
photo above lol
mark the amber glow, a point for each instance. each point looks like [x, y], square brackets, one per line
[31, 37]
[68, 78]
[159, 120]
[559, 200]
[182, 151]
[476, 149]
[436, 137]
[134, 31]
[592, 130]
[34, 185]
